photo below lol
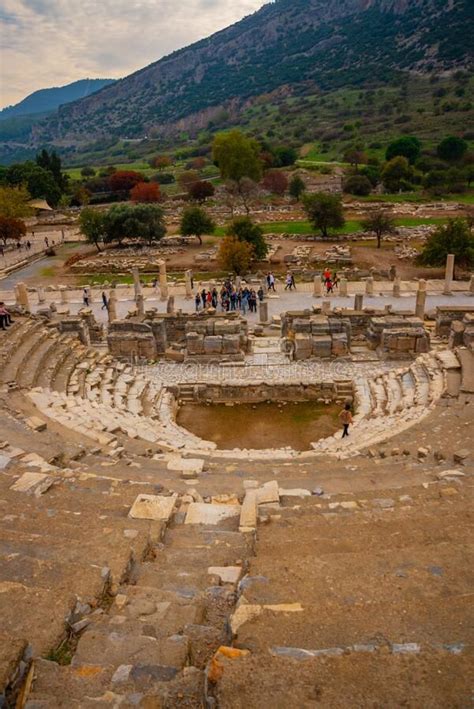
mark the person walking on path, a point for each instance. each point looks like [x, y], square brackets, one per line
[271, 282]
[288, 282]
[105, 302]
[346, 418]
[197, 300]
[85, 297]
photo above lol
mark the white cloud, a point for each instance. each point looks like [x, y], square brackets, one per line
[53, 42]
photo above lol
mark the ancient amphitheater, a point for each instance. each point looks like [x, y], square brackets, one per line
[145, 566]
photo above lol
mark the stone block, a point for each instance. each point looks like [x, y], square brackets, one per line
[186, 465]
[213, 344]
[227, 574]
[322, 346]
[36, 423]
[195, 343]
[248, 515]
[268, 493]
[155, 507]
[231, 344]
[210, 514]
[32, 483]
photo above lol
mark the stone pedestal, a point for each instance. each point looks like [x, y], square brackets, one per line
[163, 281]
[358, 301]
[41, 298]
[263, 312]
[170, 305]
[421, 299]
[188, 283]
[317, 287]
[22, 296]
[396, 288]
[137, 286]
[326, 306]
[448, 278]
[369, 286]
[140, 304]
[343, 288]
[64, 294]
[112, 306]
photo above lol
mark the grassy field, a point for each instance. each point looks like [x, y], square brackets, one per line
[351, 225]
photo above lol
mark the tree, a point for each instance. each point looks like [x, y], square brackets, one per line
[372, 173]
[243, 229]
[452, 148]
[358, 185]
[397, 175]
[235, 255]
[161, 162]
[238, 159]
[355, 157]
[198, 163]
[145, 192]
[124, 180]
[11, 229]
[92, 224]
[88, 171]
[379, 223]
[137, 222]
[456, 238]
[80, 196]
[39, 182]
[187, 179]
[324, 211]
[297, 187]
[408, 147]
[237, 156]
[284, 156]
[52, 163]
[14, 202]
[196, 222]
[275, 181]
[201, 190]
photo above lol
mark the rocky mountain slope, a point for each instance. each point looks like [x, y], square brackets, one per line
[289, 46]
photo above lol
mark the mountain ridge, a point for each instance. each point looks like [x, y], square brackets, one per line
[287, 43]
[49, 99]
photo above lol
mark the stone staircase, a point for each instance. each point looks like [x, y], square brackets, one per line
[356, 601]
[163, 626]
[389, 404]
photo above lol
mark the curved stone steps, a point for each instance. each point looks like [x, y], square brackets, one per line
[16, 368]
[51, 361]
[37, 361]
[14, 339]
[64, 368]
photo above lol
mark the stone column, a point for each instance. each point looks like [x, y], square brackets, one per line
[140, 304]
[471, 286]
[326, 306]
[263, 312]
[238, 283]
[396, 287]
[421, 299]
[112, 306]
[358, 302]
[136, 283]
[448, 278]
[170, 305]
[163, 280]
[317, 287]
[343, 288]
[189, 289]
[369, 286]
[64, 294]
[40, 292]
[22, 296]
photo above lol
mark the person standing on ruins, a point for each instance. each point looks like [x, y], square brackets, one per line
[346, 418]
[197, 300]
[5, 317]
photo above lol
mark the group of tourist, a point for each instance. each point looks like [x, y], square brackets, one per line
[229, 298]
[330, 281]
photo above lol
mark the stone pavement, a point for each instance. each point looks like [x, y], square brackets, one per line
[276, 305]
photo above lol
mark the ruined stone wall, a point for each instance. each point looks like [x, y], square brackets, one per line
[446, 314]
[397, 335]
[317, 335]
[258, 393]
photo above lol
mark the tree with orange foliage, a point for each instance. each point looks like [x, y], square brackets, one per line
[124, 180]
[188, 178]
[145, 192]
[161, 161]
[201, 190]
[276, 182]
[11, 229]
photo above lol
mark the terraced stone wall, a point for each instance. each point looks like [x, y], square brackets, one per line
[324, 391]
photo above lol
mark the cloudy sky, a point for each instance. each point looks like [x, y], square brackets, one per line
[53, 42]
